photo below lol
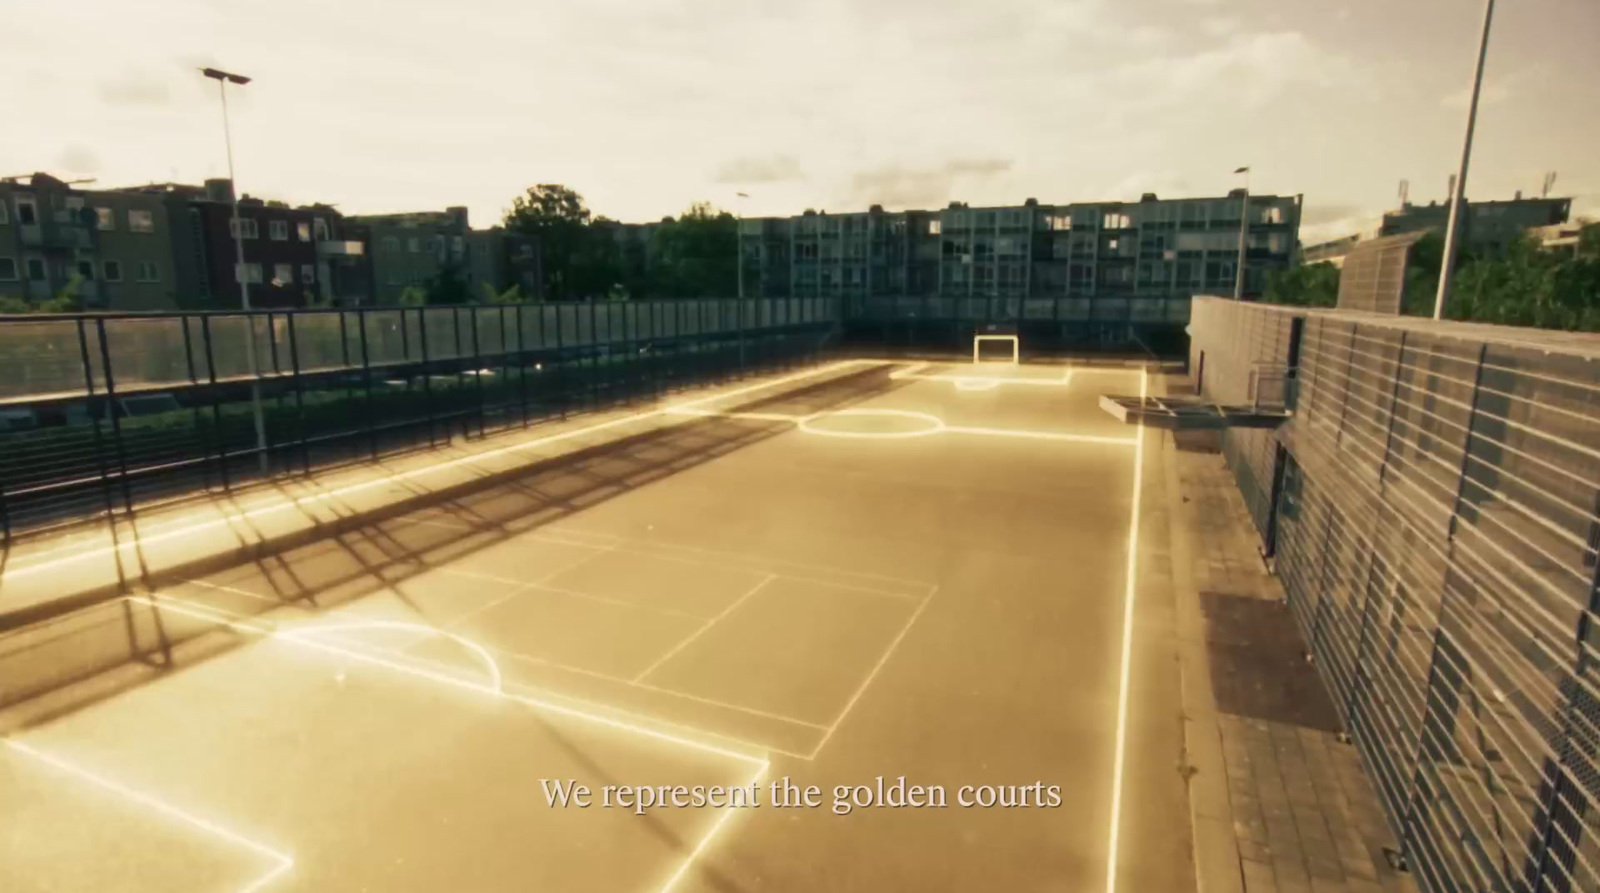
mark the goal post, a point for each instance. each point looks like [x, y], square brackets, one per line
[978, 342]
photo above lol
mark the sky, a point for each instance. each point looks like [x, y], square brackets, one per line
[646, 106]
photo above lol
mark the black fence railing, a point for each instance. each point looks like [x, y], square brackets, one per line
[99, 413]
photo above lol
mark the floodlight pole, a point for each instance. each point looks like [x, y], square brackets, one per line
[222, 78]
[1452, 232]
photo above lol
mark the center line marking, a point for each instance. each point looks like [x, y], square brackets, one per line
[703, 627]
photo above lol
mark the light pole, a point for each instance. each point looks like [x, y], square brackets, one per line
[223, 78]
[1452, 231]
[1244, 230]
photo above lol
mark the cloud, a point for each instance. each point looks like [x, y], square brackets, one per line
[78, 160]
[136, 88]
[771, 169]
[903, 187]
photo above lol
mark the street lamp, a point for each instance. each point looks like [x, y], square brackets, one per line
[1244, 229]
[223, 79]
[1452, 231]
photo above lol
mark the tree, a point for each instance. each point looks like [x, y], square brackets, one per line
[696, 255]
[448, 286]
[1306, 285]
[580, 255]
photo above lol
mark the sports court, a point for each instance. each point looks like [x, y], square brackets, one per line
[875, 568]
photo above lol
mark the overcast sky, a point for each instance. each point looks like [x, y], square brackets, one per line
[645, 106]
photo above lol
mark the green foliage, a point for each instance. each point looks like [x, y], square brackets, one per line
[1528, 286]
[413, 296]
[581, 258]
[448, 286]
[1306, 285]
[695, 255]
[10, 304]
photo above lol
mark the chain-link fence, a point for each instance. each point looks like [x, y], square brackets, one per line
[1437, 519]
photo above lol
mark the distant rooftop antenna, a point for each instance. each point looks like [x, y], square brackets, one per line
[1549, 182]
[1405, 193]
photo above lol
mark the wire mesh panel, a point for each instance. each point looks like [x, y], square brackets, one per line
[1438, 532]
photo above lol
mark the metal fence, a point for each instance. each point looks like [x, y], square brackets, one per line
[1434, 504]
[1152, 324]
[99, 413]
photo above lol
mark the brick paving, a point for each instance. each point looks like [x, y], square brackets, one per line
[1305, 817]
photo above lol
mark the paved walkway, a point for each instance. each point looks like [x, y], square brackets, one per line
[1281, 804]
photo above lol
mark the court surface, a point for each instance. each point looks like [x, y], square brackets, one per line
[913, 569]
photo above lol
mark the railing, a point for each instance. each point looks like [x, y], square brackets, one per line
[100, 413]
[1437, 518]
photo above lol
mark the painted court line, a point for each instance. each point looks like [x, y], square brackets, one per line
[1130, 594]
[732, 606]
[871, 675]
[281, 862]
[762, 763]
[178, 528]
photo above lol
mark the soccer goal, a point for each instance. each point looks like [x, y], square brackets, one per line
[1005, 345]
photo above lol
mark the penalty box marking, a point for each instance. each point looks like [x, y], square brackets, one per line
[298, 636]
[281, 862]
[933, 425]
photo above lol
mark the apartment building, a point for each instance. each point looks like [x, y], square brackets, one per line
[1114, 252]
[109, 249]
[1485, 226]
[498, 260]
[410, 250]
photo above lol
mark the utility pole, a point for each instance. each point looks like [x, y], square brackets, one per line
[223, 78]
[1452, 232]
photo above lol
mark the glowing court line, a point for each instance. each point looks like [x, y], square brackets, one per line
[934, 423]
[727, 556]
[474, 647]
[753, 416]
[179, 529]
[909, 371]
[705, 841]
[1041, 435]
[968, 384]
[558, 590]
[658, 689]
[710, 622]
[1128, 599]
[168, 604]
[872, 674]
[283, 862]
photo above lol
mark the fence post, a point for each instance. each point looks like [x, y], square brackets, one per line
[216, 407]
[366, 381]
[94, 420]
[111, 409]
[427, 374]
[299, 393]
[522, 359]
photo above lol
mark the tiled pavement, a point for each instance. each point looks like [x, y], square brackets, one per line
[1304, 815]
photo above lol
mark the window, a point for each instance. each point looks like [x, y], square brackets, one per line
[251, 273]
[141, 222]
[1058, 222]
[105, 219]
[282, 274]
[1115, 221]
[432, 244]
[148, 271]
[244, 227]
[8, 269]
[278, 230]
[413, 245]
[319, 228]
[35, 268]
[933, 228]
[86, 269]
[1273, 214]
[73, 203]
[27, 212]
[389, 243]
[1111, 244]
[457, 246]
[303, 231]
[113, 270]
[308, 273]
